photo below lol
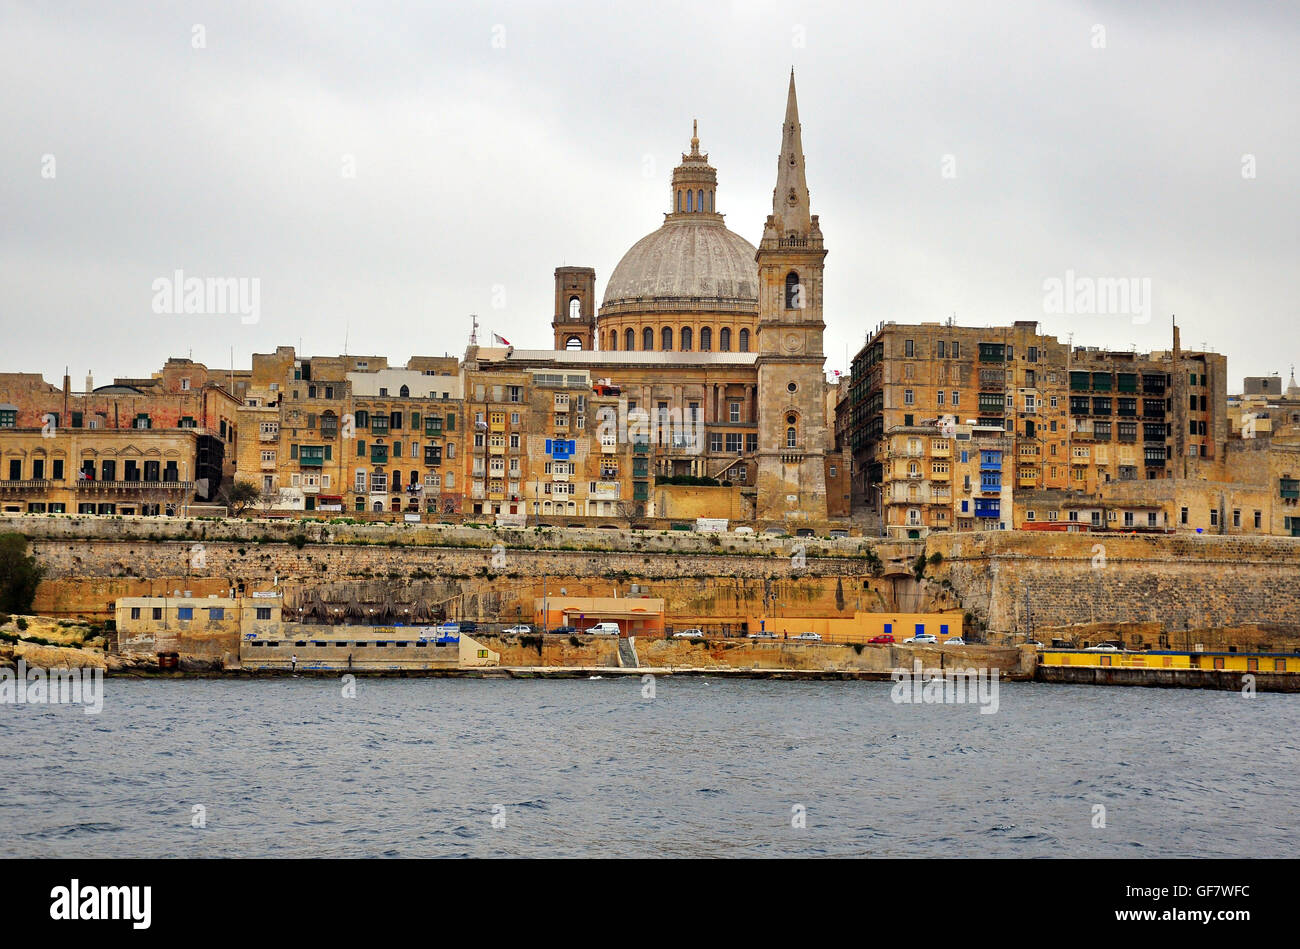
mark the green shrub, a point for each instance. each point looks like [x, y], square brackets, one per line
[20, 573]
[21, 624]
[575, 641]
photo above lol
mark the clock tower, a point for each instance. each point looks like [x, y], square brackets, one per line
[792, 427]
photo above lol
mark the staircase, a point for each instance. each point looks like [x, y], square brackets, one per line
[627, 653]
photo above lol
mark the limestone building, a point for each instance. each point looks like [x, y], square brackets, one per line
[139, 446]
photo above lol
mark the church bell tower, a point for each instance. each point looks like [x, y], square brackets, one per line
[575, 308]
[792, 428]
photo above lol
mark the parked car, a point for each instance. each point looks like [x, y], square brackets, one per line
[523, 629]
[468, 627]
[604, 629]
[809, 637]
[954, 641]
[565, 630]
[1103, 647]
[1034, 642]
[885, 638]
[689, 634]
[762, 635]
[922, 639]
[449, 629]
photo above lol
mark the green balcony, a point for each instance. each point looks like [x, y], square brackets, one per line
[379, 455]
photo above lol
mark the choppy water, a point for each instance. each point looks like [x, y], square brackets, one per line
[709, 767]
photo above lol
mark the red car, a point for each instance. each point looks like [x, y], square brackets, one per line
[881, 639]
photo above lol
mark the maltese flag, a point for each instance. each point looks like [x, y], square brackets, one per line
[500, 339]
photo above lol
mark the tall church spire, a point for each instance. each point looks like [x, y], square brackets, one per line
[790, 204]
[792, 418]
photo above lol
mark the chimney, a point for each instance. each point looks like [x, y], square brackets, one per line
[90, 383]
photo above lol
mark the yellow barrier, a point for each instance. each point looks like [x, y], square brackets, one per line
[1231, 662]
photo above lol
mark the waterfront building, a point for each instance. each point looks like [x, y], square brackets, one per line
[137, 446]
[1077, 418]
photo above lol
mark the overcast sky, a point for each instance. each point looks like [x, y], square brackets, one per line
[959, 155]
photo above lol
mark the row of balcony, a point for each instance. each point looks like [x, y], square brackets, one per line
[86, 485]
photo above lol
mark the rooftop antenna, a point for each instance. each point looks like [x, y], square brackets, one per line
[347, 327]
[473, 333]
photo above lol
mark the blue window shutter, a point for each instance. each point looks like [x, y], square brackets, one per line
[943, 629]
[920, 628]
[889, 627]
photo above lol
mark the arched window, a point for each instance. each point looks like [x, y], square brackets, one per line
[613, 339]
[791, 437]
[679, 200]
[690, 200]
[710, 199]
[793, 292]
[686, 339]
[706, 339]
[405, 392]
[744, 341]
[700, 202]
[575, 308]
[629, 339]
[573, 343]
[666, 337]
[648, 339]
[724, 340]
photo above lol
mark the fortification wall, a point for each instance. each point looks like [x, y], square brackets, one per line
[1172, 580]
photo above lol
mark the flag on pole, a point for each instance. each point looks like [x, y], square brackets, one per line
[500, 339]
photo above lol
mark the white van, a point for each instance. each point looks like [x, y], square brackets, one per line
[604, 629]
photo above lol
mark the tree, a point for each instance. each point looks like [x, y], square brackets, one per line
[630, 511]
[239, 495]
[19, 575]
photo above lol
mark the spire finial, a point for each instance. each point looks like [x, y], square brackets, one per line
[695, 136]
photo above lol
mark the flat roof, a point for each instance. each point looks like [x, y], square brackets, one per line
[583, 357]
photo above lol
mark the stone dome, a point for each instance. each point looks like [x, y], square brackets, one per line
[691, 263]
